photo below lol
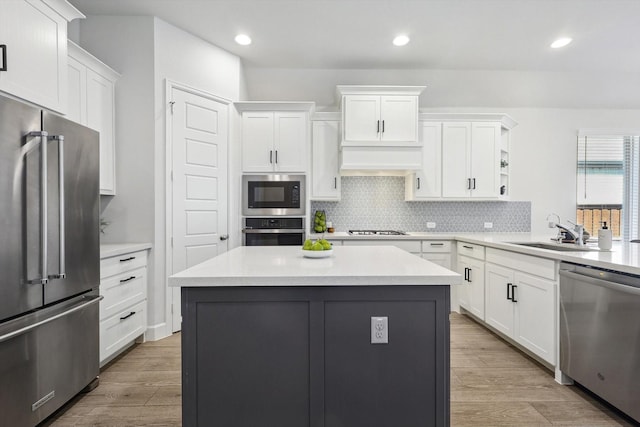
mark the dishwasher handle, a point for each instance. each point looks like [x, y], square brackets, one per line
[600, 282]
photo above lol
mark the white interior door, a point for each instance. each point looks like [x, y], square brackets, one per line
[199, 138]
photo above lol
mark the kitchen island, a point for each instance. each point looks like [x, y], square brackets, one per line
[272, 338]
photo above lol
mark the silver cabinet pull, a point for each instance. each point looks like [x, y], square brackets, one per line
[383, 126]
[43, 279]
[61, 273]
[378, 127]
[335, 182]
[276, 156]
[270, 156]
[418, 182]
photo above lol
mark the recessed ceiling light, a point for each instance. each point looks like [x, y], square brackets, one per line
[243, 39]
[401, 40]
[561, 42]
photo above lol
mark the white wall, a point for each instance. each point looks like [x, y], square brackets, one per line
[543, 155]
[147, 51]
[456, 88]
[185, 59]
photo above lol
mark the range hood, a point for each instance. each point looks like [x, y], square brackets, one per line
[379, 130]
[380, 160]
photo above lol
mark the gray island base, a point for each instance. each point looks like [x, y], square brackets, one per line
[301, 354]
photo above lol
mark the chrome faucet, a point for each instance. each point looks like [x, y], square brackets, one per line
[576, 233]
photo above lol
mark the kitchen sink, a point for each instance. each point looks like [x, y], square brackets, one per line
[562, 247]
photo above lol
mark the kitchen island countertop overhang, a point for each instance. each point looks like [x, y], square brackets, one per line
[286, 266]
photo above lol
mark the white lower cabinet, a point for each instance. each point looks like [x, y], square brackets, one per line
[470, 264]
[438, 252]
[412, 246]
[520, 300]
[123, 309]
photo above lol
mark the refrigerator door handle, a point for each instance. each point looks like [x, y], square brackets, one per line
[61, 270]
[87, 301]
[43, 279]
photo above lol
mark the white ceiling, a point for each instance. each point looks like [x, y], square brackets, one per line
[445, 34]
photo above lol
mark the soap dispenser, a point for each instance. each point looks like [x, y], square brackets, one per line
[604, 238]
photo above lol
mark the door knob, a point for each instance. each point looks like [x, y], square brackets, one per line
[224, 237]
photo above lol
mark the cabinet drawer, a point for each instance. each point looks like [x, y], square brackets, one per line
[119, 330]
[407, 245]
[122, 290]
[441, 259]
[436, 246]
[526, 263]
[470, 250]
[125, 262]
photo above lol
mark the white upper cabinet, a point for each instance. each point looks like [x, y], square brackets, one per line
[399, 118]
[33, 36]
[91, 102]
[362, 118]
[474, 157]
[275, 141]
[380, 114]
[427, 182]
[325, 166]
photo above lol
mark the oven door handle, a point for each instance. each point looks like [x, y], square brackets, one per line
[272, 231]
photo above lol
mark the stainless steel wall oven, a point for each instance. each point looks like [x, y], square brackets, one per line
[273, 231]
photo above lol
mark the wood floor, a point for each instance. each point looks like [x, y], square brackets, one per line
[492, 384]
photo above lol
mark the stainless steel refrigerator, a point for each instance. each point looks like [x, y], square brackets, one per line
[49, 261]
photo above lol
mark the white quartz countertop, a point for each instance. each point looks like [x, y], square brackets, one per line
[109, 250]
[622, 257]
[286, 266]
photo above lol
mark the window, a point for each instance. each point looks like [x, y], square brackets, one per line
[608, 183]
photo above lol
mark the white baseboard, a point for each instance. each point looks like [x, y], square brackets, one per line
[157, 332]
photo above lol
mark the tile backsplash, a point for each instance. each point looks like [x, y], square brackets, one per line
[377, 202]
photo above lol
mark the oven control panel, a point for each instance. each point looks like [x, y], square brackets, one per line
[273, 223]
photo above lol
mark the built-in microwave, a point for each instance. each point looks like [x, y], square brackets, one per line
[273, 194]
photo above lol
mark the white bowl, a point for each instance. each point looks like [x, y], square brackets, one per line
[317, 254]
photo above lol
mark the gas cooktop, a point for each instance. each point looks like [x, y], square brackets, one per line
[377, 233]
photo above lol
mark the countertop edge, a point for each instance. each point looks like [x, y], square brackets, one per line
[109, 250]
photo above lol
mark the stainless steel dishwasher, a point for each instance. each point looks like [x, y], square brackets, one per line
[600, 333]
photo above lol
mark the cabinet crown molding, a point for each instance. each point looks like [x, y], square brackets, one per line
[64, 9]
[79, 54]
[507, 121]
[378, 90]
[275, 106]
